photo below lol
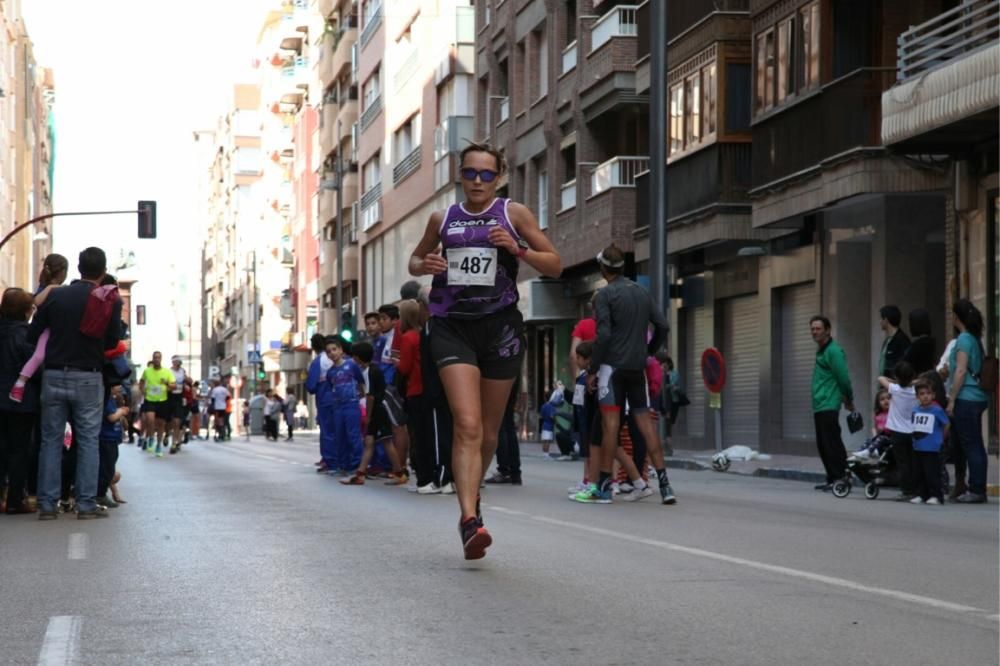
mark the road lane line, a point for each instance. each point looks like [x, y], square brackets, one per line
[832, 581]
[61, 645]
[77, 550]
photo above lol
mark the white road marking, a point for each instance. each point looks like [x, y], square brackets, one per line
[78, 542]
[832, 581]
[61, 645]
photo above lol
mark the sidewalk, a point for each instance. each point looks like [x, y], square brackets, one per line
[793, 468]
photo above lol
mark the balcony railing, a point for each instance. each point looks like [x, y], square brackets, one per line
[370, 113]
[617, 172]
[569, 57]
[406, 166]
[567, 198]
[504, 109]
[371, 26]
[371, 207]
[949, 35]
[619, 22]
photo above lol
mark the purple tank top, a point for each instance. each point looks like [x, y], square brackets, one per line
[481, 279]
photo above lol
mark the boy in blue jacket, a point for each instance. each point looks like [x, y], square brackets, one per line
[347, 384]
[317, 385]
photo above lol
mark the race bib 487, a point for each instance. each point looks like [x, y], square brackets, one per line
[472, 266]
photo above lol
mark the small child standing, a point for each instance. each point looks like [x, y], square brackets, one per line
[347, 383]
[547, 424]
[54, 272]
[930, 427]
[899, 425]
[110, 436]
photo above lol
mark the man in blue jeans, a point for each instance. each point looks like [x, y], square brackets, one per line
[73, 387]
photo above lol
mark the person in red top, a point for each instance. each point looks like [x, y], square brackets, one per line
[584, 331]
[408, 367]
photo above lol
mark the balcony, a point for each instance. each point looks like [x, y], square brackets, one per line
[348, 114]
[343, 45]
[949, 71]
[371, 26]
[328, 132]
[617, 172]
[567, 198]
[371, 112]
[619, 22]
[352, 264]
[848, 111]
[569, 58]
[406, 166]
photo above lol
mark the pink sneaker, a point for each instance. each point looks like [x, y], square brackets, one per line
[17, 394]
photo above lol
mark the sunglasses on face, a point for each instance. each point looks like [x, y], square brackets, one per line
[485, 175]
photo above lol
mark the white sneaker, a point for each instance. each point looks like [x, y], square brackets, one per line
[411, 487]
[934, 500]
[635, 495]
[564, 458]
[448, 489]
[625, 487]
[430, 489]
[615, 489]
[548, 457]
[917, 500]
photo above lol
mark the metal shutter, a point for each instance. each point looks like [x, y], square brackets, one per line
[741, 348]
[797, 353]
[697, 337]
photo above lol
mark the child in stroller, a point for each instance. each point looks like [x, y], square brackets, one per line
[879, 441]
[873, 464]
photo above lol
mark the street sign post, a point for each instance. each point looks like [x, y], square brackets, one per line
[713, 373]
[253, 357]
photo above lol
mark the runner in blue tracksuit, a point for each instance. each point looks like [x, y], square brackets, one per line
[347, 384]
[317, 384]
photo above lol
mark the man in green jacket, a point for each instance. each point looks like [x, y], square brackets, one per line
[831, 387]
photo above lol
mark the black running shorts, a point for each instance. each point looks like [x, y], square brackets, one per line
[615, 387]
[161, 409]
[495, 343]
[379, 426]
[175, 407]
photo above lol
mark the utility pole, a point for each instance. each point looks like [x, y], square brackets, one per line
[658, 155]
[340, 229]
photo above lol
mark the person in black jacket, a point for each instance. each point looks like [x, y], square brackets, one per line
[17, 419]
[922, 352]
[896, 341]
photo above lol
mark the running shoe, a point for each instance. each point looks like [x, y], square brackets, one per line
[356, 479]
[16, 394]
[448, 489]
[475, 538]
[429, 489]
[592, 495]
[498, 478]
[635, 494]
[625, 487]
[174, 449]
[573, 490]
[667, 495]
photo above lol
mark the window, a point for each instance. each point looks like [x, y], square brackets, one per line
[371, 174]
[676, 118]
[372, 89]
[809, 49]
[407, 137]
[708, 97]
[786, 83]
[693, 108]
[543, 63]
[543, 200]
[247, 160]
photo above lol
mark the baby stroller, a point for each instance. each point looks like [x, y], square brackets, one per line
[875, 472]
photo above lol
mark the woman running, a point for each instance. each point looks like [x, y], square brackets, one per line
[476, 332]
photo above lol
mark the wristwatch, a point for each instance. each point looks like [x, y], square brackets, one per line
[522, 248]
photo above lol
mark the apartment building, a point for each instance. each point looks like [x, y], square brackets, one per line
[27, 135]
[944, 104]
[415, 67]
[557, 90]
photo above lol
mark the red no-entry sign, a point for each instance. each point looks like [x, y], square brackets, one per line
[713, 370]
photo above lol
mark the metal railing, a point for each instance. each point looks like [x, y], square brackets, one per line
[369, 114]
[567, 198]
[371, 207]
[617, 172]
[619, 22]
[372, 195]
[371, 26]
[949, 35]
[569, 57]
[406, 166]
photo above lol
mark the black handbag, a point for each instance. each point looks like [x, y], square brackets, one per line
[855, 422]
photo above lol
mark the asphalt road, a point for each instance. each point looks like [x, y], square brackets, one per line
[239, 553]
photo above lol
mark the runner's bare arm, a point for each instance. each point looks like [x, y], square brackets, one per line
[541, 255]
[426, 258]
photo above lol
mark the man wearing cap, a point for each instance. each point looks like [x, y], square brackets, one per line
[176, 407]
[624, 312]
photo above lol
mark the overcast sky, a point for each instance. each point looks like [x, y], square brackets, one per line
[134, 79]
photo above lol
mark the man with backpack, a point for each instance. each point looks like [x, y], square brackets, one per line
[72, 384]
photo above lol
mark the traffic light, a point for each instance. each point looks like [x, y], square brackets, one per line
[347, 323]
[147, 219]
[261, 375]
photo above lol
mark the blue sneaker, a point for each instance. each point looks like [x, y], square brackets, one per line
[593, 495]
